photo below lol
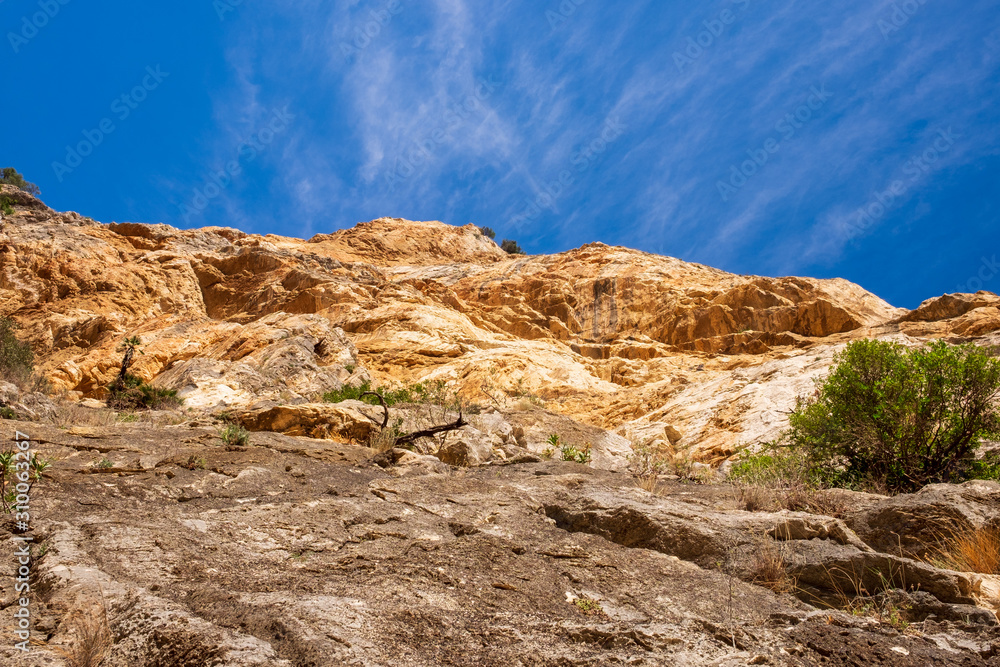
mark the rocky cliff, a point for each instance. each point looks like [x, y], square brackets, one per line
[648, 347]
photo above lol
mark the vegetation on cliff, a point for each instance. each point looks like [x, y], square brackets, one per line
[891, 418]
[130, 392]
[10, 176]
[16, 357]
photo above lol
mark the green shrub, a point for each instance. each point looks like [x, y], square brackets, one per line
[774, 467]
[435, 392]
[9, 176]
[5, 206]
[7, 413]
[488, 232]
[569, 452]
[899, 418]
[16, 358]
[778, 477]
[234, 435]
[351, 393]
[511, 247]
[134, 394]
[10, 476]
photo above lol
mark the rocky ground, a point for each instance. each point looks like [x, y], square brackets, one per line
[301, 551]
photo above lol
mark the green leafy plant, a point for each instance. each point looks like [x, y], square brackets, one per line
[553, 444]
[5, 206]
[900, 418]
[355, 393]
[571, 453]
[488, 232]
[10, 477]
[7, 413]
[38, 466]
[234, 435]
[128, 392]
[104, 464]
[588, 606]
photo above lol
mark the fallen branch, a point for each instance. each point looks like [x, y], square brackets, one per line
[411, 438]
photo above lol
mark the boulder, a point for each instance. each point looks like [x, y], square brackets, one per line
[351, 421]
[915, 524]
[470, 448]
[404, 463]
[8, 393]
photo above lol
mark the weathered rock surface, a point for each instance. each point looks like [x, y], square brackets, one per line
[348, 421]
[916, 524]
[299, 551]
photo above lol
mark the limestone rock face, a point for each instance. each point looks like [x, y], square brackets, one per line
[950, 306]
[637, 346]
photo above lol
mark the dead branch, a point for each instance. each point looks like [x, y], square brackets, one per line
[411, 438]
[385, 419]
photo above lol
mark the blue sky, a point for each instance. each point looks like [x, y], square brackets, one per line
[850, 138]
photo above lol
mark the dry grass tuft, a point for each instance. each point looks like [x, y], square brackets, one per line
[883, 600]
[969, 550]
[648, 483]
[385, 439]
[757, 498]
[770, 568]
[91, 640]
[794, 497]
[68, 415]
